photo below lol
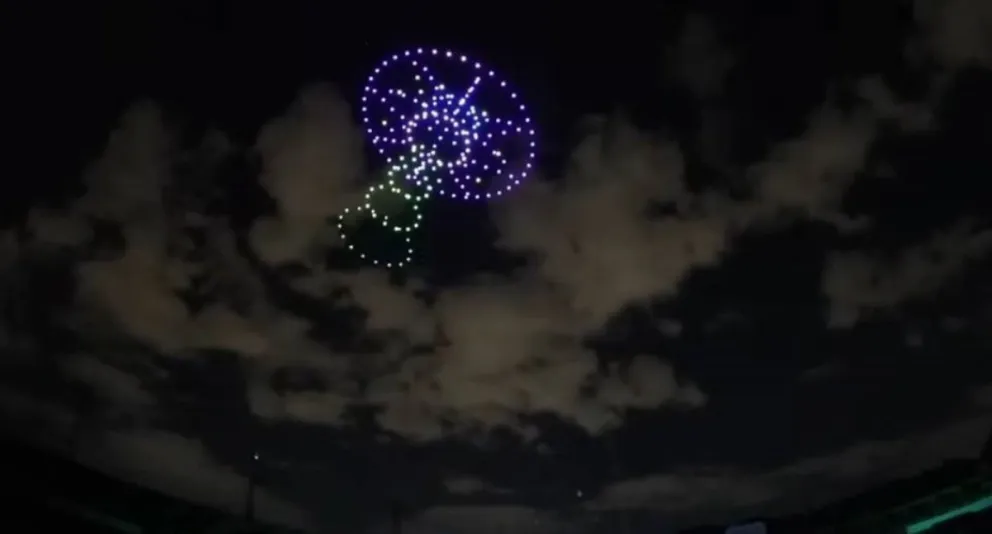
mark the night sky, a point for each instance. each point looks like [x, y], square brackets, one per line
[749, 276]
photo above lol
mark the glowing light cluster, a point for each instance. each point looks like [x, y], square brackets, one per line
[447, 127]
[449, 123]
[398, 223]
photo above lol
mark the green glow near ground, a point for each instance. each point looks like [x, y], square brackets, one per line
[970, 508]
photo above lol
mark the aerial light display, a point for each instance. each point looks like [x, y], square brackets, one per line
[446, 127]
[380, 229]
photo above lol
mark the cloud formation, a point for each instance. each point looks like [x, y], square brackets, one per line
[957, 31]
[312, 168]
[183, 467]
[502, 347]
[859, 283]
[511, 347]
[788, 488]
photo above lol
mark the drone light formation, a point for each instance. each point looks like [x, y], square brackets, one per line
[446, 126]
[398, 224]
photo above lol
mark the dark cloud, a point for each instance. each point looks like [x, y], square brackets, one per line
[700, 60]
[728, 488]
[957, 31]
[856, 282]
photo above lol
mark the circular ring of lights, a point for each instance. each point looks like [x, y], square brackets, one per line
[449, 122]
[409, 200]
